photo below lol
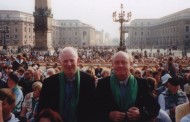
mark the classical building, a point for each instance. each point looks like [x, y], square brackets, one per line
[165, 32]
[64, 32]
[75, 33]
[20, 26]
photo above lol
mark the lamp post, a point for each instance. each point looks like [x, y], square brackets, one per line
[121, 19]
[4, 30]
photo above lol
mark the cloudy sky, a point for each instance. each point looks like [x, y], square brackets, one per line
[98, 13]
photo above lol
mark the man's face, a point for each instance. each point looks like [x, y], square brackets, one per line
[28, 74]
[7, 109]
[157, 77]
[36, 93]
[121, 66]
[173, 89]
[170, 60]
[69, 64]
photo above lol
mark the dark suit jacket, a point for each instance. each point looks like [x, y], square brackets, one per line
[105, 102]
[50, 94]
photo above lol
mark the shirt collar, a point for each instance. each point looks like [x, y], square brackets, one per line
[124, 81]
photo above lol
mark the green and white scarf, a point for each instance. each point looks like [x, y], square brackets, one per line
[131, 92]
[74, 101]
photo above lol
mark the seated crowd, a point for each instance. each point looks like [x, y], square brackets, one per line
[23, 85]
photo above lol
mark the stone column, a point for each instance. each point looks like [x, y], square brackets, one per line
[43, 25]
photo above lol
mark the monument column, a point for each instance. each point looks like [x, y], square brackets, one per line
[43, 25]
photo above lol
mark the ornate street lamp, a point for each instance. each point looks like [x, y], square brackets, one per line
[121, 19]
[4, 30]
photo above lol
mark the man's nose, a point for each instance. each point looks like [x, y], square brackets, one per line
[68, 63]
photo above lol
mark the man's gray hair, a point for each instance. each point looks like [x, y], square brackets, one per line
[127, 55]
[68, 49]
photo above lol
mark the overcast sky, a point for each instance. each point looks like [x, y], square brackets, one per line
[98, 13]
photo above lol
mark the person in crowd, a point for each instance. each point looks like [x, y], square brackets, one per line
[157, 76]
[50, 72]
[172, 97]
[148, 73]
[37, 75]
[105, 73]
[98, 71]
[182, 110]
[71, 92]
[27, 81]
[20, 73]
[13, 85]
[5, 73]
[7, 104]
[164, 86]
[137, 73]
[122, 97]
[81, 67]
[187, 85]
[171, 67]
[48, 115]
[3, 84]
[17, 63]
[30, 100]
[162, 116]
[24, 63]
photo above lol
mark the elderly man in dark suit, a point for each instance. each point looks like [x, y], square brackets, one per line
[71, 92]
[123, 97]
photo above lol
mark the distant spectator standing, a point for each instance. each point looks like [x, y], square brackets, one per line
[171, 67]
[98, 71]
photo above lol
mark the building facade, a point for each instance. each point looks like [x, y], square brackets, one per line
[166, 32]
[64, 32]
[73, 33]
[20, 30]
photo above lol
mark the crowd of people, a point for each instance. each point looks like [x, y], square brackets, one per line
[67, 92]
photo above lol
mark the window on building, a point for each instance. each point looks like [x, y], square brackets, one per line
[16, 30]
[187, 28]
[141, 33]
[24, 29]
[135, 33]
[186, 37]
[29, 29]
[16, 36]
[7, 36]
[75, 33]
